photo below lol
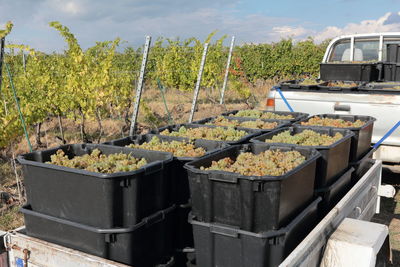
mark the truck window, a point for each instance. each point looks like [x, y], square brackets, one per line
[338, 51]
[366, 50]
[386, 41]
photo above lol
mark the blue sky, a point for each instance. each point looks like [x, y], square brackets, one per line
[250, 21]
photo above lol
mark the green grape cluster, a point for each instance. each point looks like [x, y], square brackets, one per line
[269, 162]
[258, 114]
[339, 123]
[178, 148]
[305, 138]
[257, 124]
[217, 133]
[98, 162]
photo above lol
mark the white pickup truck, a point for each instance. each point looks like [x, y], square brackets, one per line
[385, 107]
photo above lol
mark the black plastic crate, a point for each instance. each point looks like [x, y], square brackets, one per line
[361, 141]
[333, 193]
[279, 122]
[242, 201]
[393, 53]
[297, 115]
[183, 232]
[381, 87]
[145, 244]
[361, 166]
[221, 245]
[331, 87]
[97, 199]
[250, 132]
[349, 71]
[185, 259]
[391, 71]
[295, 84]
[334, 158]
[176, 172]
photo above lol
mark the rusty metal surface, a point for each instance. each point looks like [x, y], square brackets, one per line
[38, 253]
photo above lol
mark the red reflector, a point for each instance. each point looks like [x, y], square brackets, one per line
[270, 102]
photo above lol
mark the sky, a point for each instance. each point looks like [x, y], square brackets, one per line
[252, 21]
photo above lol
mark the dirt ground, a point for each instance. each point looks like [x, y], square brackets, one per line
[390, 214]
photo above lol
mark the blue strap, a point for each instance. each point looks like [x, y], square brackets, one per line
[386, 135]
[283, 98]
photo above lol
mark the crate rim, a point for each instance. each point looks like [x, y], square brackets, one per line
[147, 221]
[369, 121]
[250, 132]
[314, 156]
[338, 181]
[349, 134]
[177, 138]
[281, 123]
[22, 160]
[264, 234]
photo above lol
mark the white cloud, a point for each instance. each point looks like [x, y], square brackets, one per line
[389, 22]
[99, 20]
[293, 32]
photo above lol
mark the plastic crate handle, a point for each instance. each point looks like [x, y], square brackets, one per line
[220, 177]
[224, 231]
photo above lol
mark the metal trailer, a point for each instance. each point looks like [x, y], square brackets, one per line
[360, 203]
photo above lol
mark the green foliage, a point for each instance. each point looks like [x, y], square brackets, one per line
[7, 30]
[99, 82]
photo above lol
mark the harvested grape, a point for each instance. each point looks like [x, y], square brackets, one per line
[341, 84]
[218, 133]
[258, 114]
[98, 162]
[320, 121]
[305, 138]
[269, 162]
[257, 124]
[178, 148]
[310, 81]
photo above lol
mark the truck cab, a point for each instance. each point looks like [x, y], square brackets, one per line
[382, 101]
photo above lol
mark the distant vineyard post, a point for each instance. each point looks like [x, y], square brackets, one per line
[228, 63]
[139, 88]
[197, 88]
[2, 42]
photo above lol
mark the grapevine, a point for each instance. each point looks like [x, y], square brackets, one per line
[319, 121]
[305, 138]
[178, 148]
[98, 162]
[257, 124]
[218, 133]
[258, 114]
[269, 162]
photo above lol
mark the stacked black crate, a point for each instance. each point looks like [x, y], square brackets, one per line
[391, 67]
[179, 187]
[243, 220]
[122, 216]
[359, 154]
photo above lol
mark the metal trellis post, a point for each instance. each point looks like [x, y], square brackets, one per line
[2, 41]
[228, 63]
[197, 88]
[139, 88]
